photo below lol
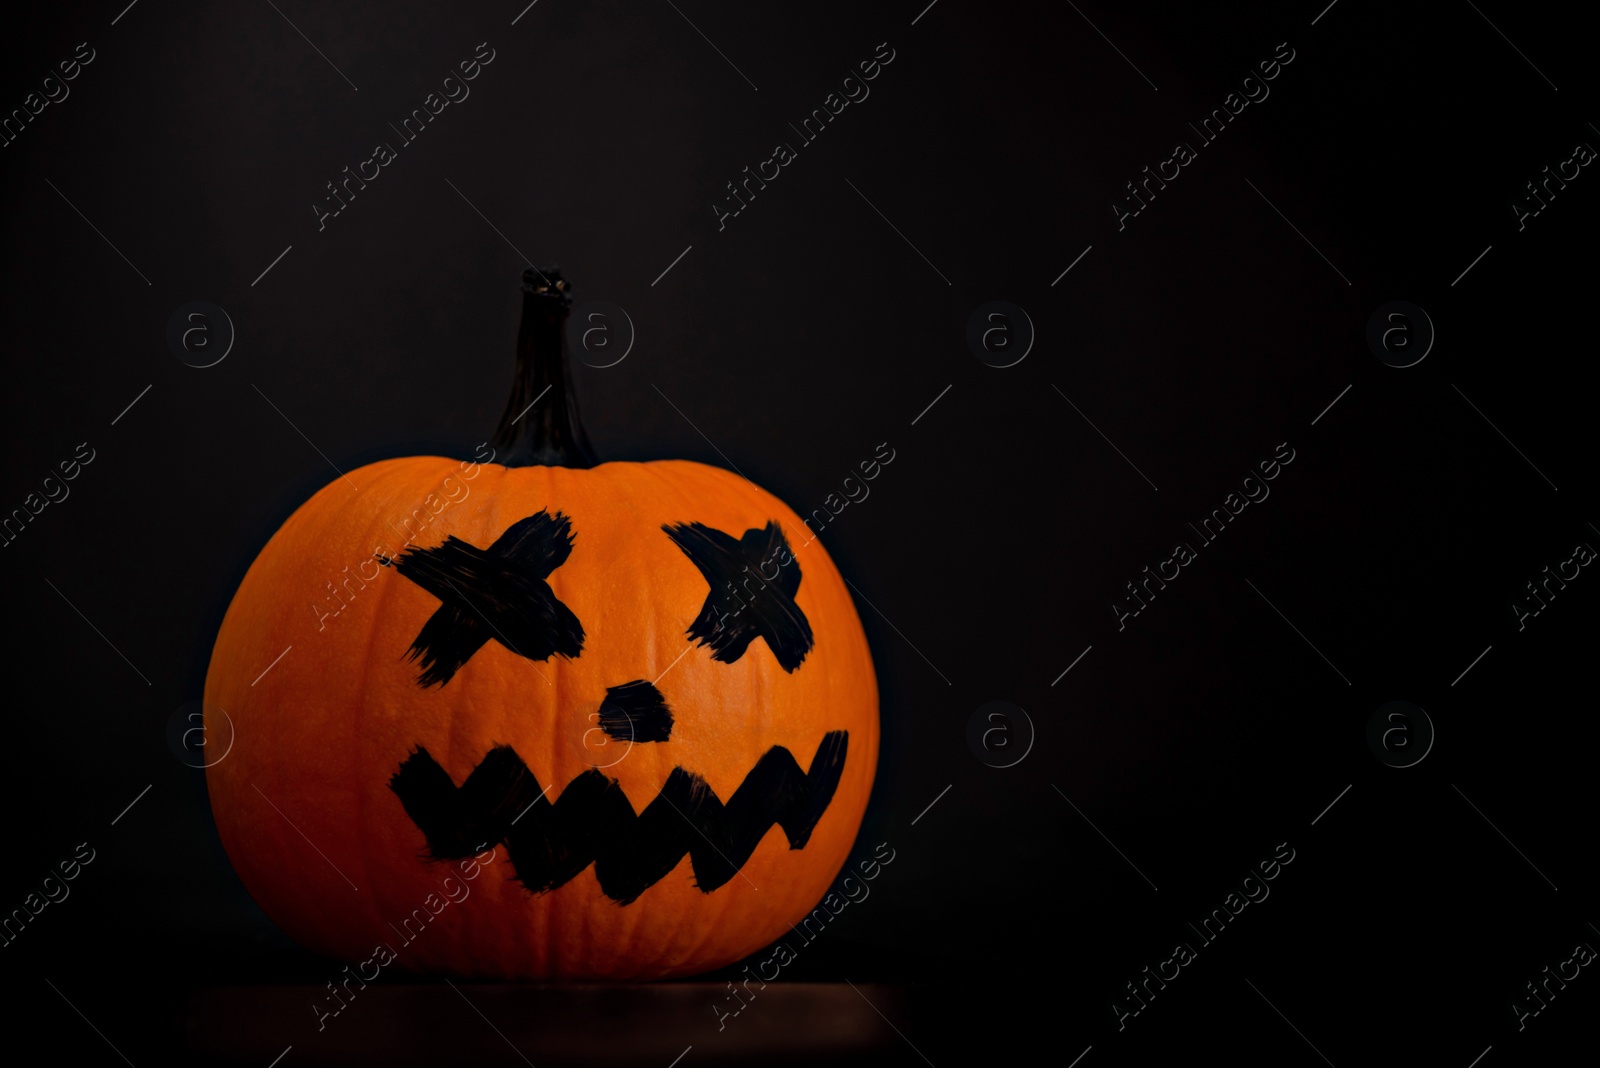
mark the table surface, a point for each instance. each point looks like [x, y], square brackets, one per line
[548, 1025]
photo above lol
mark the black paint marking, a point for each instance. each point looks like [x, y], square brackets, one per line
[499, 592]
[635, 712]
[593, 823]
[735, 614]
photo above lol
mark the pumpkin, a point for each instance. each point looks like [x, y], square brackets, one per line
[542, 719]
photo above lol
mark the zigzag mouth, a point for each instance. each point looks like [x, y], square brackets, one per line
[592, 821]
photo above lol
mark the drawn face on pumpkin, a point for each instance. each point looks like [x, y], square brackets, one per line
[501, 593]
[640, 685]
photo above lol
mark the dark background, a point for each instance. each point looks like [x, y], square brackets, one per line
[797, 339]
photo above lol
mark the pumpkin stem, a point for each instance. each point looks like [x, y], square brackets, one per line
[540, 424]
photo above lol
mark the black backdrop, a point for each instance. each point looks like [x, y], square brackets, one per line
[792, 340]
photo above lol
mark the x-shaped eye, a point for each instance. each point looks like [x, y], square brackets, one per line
[499, 592]
[743, 603]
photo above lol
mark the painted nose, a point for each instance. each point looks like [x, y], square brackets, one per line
[635, 712]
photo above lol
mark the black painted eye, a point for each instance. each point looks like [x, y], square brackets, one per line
[499, 592]
[744, 603]
[635, 712]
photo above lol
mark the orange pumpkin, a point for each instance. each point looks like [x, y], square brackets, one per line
[541, 719]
